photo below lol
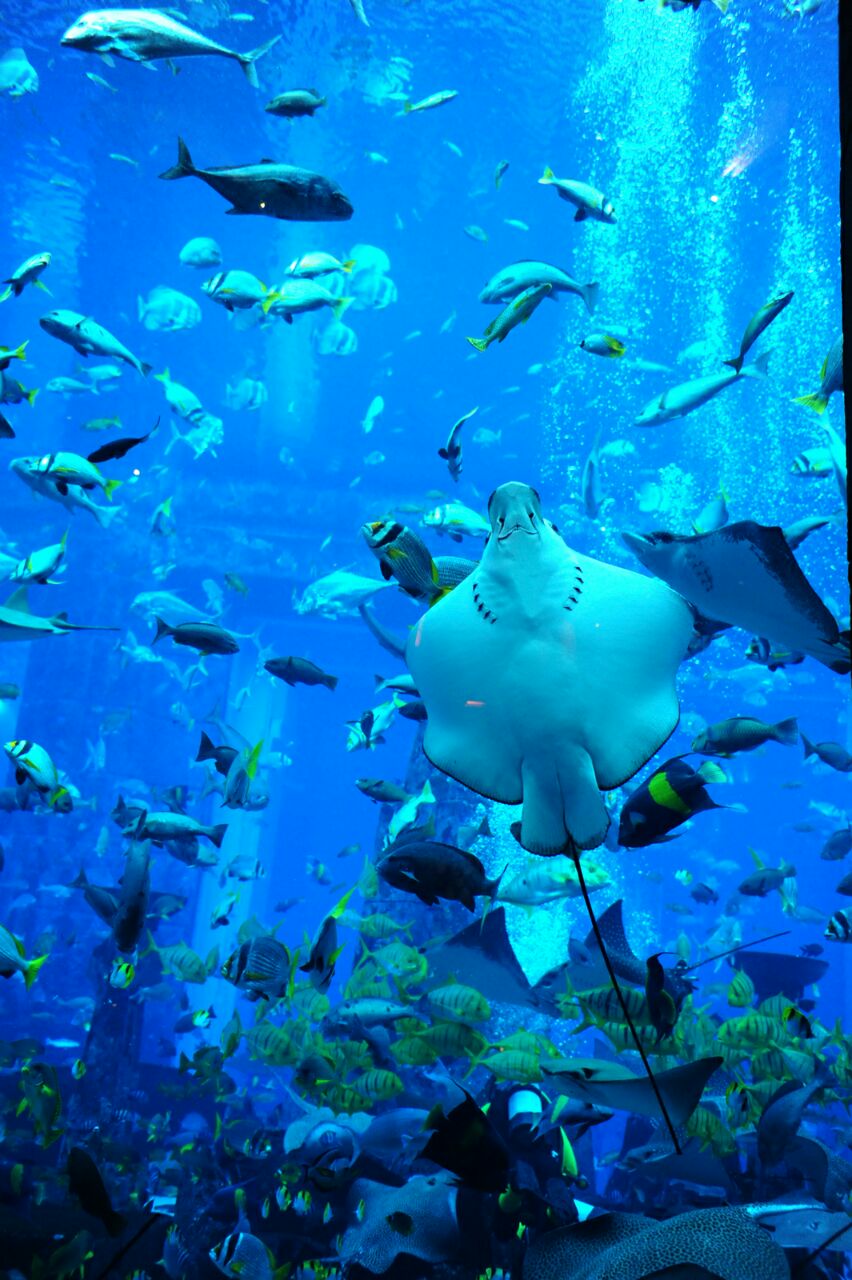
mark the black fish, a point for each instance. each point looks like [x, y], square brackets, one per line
[223, 756]
[432, 870]
[466, 1142]
[206, 637]
[6, 431]
[662, 1009]
[295, 671]
[671, 796]
[85, 1182]
[269, 189]
[118, 448]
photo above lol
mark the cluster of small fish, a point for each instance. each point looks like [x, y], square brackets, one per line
[430, 1110]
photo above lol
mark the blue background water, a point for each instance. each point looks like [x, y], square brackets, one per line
[650, 107]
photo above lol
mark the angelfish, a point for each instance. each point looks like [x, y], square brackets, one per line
[325, 951]
[452, 451]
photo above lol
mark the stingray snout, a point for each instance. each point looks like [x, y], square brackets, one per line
[514, 507]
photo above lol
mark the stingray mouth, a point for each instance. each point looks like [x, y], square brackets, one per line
[518, 527]
[514, 508]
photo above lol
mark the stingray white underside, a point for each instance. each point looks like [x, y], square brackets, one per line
[548, 677]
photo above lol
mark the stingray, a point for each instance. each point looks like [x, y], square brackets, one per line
[607, 1084]
[483, 954]
[586, 969]
[774, 973]
[746, 575]
[18, 623]
[656, 1162]
[704, 1244]
[418, 1219]
[548, 676]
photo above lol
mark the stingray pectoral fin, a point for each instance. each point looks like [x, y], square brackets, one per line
[473, 754]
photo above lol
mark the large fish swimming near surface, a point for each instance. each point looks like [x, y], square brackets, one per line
[145, 35]
[678, 401]
[548, 676]
[269, 189]
[746, 575]
[18, 623]
[510, 281]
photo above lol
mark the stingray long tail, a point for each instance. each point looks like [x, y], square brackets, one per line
[575, 854]
[385, 638]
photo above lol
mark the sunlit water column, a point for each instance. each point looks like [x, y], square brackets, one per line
[250, 833]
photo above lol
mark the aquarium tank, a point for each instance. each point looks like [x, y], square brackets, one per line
[425, 823]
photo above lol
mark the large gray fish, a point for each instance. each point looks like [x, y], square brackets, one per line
[518, 276]
[88, 337]
[160, 827]
[145, 35]
[678, 401]
[269, 189]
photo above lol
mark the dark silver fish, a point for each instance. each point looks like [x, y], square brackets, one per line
[269, 189]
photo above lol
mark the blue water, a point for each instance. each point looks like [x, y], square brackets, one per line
[716, 139]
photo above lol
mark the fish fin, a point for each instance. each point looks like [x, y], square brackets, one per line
[617, 348]
[247, 60]
[217, 834]
[163, 629]
[759, 368]
[337, 912]
[590, 296]
[817, 401]
[348, 265]
[479, 343]
[580, 215]
[110, 488]
[712, 772]
[442, 453]
[787, 732]
[254, 758]
[341, 305]
[32, 971]
[183, 169]
[18, 601]
[735, 362]
[39, 284]
[547, 176]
